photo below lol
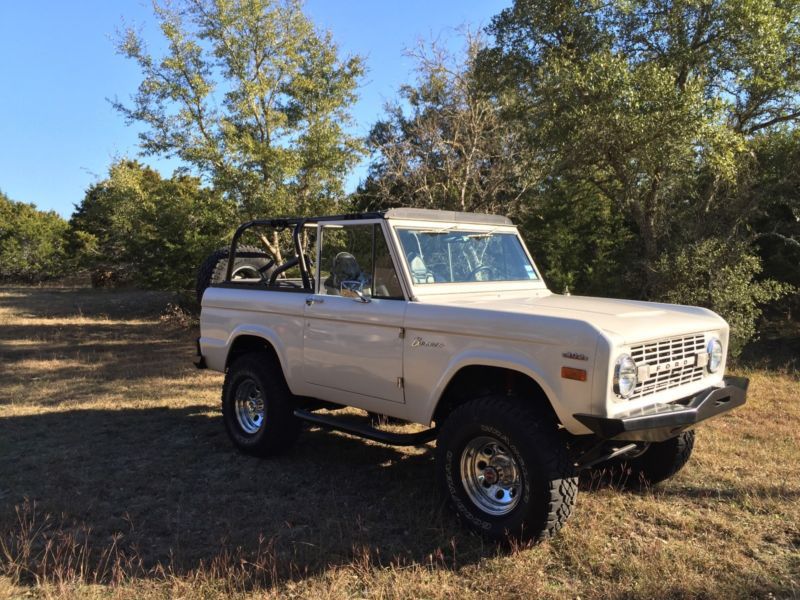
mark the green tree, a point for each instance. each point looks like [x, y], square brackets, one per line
[702, 273]
[657, 105]
[652, 102]
[577, 238]
[255, 98]
[137, 227]
[31, 242]
[775, 221]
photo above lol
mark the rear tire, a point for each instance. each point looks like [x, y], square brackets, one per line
[505, 470]
[658, 463]
[249, 262]
[257, 406]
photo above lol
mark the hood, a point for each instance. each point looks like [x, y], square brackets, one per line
[631, 320]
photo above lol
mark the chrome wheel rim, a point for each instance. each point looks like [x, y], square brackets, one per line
[491, 476]
[249, 404]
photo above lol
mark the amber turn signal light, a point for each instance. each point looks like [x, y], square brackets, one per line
[572, 373]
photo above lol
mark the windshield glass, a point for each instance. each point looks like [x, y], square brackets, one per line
[449, 256]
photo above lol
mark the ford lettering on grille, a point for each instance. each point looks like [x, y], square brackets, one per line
[668, 363]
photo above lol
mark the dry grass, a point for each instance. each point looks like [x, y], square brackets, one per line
[117, 481]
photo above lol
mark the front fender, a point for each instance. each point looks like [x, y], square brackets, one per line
[513, 361]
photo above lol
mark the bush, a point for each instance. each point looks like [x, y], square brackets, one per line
[720, 276]
[31, 242]
[136, 227]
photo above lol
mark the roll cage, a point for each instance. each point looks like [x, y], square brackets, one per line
[297, 224]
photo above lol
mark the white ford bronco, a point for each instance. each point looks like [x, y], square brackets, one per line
[442, 319]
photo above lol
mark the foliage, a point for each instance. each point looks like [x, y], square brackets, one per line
[137, 227]
[647, 148]
[624, 136]
[722, 277]
[775, 221]
[31, 242]
[451, 150]
[255, 98]
[578, 240]
[659, 106]
[653, 102]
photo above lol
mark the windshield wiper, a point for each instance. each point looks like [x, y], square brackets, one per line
[440, 230]
[482, 234]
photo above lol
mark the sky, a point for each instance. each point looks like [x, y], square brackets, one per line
[59, 68]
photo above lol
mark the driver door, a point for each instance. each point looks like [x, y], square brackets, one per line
[352, 342]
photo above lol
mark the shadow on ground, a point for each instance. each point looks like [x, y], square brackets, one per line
[110, 429]
[52, 302]
[169, 482]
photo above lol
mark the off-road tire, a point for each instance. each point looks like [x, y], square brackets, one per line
[658, 463]
[215, 266]
[279, 428]
[549, 482]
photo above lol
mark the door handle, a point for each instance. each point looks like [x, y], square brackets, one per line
[312, 300]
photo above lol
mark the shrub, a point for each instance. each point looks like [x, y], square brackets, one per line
[31, 242]
[136, 227]
[721, 276]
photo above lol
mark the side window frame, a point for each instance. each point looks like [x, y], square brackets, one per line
[379, 227]
[378, 230]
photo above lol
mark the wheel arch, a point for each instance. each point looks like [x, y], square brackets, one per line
[245, 340]
[477, 377]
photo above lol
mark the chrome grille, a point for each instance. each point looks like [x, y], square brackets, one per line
[665, 359]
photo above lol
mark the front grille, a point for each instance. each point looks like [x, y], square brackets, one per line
[661, 356]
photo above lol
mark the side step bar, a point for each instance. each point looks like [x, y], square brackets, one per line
[367, 432]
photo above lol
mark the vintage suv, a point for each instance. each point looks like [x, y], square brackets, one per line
[442, 319]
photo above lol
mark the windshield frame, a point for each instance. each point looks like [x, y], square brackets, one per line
[429, 289]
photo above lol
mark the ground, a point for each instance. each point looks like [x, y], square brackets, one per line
[117, 480]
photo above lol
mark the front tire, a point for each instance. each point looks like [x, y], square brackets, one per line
[504, 469]
[257, 406]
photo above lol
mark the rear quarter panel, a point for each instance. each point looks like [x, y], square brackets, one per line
[276, 317]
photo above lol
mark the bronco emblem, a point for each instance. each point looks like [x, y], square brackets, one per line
[418, 342]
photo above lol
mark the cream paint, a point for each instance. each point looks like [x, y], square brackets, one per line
[396, 357]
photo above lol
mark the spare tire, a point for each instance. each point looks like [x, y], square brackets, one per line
[250, 263]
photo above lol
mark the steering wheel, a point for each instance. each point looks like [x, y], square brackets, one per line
[419, 275]
[479, 269]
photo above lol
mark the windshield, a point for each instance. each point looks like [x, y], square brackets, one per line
[448, 256]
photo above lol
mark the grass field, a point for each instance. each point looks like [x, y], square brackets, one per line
[117, 481]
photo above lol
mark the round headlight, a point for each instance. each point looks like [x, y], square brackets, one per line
[625, 378]
[714, 355]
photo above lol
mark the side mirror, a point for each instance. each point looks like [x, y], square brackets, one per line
[353, 289]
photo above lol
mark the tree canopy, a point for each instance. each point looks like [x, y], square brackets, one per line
[652, 102]
[631, 137]
[252, 96]
[31, 242]
[136, 227]
[646, 148]
[449, 148]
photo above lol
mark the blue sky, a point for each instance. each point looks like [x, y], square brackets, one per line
[58, 133]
